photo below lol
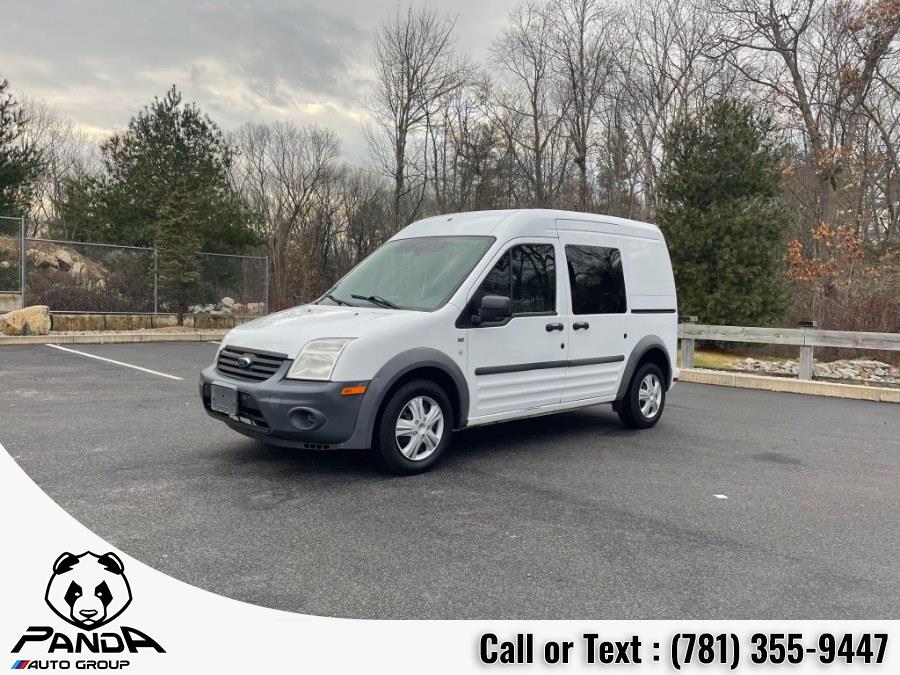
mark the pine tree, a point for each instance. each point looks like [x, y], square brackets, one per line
[169, 145]
[723, 216]
[178, 247]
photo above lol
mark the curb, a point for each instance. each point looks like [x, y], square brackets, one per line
[790, 385]
[113, 338]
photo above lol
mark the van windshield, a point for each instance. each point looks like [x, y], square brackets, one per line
[420, 273]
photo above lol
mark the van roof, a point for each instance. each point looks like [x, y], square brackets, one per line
[507, 224]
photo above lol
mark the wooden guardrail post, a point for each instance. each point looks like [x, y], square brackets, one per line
[806, 352]
[687, 345]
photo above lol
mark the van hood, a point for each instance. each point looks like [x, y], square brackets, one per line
[288, 331]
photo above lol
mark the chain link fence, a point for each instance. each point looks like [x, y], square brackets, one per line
[85, 277]
[238, 282]
[73, 277]
[11, 231]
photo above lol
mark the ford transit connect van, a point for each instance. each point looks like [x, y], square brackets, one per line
[458, 321]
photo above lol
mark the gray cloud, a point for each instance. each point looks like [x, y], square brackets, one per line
[99, 61]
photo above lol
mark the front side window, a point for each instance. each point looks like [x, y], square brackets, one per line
[596, 280]
[527, 275]
[421, 273]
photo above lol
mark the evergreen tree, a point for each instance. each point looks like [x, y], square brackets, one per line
[169, 146]
[178, 246]
[20, 162]
[722, 213]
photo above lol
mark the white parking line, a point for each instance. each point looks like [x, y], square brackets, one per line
[118, 363]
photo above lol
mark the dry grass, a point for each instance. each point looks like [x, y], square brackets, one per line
[715, 359]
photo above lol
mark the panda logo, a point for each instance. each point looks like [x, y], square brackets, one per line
[88, 590]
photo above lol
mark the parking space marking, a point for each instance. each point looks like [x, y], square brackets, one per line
[118, 363]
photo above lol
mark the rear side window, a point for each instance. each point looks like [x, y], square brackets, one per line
[596, 280]
[527, 275]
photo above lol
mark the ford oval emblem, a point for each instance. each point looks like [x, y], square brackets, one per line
[245, 362]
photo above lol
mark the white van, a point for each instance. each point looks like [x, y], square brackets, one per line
[458, 321]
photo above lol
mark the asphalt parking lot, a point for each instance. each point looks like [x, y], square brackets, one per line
[739, 504]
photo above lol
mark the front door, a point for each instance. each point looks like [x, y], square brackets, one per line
[519, 363]
[598, 319]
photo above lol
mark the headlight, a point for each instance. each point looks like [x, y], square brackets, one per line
[317, 359]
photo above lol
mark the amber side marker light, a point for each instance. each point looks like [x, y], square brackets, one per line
[354, 391]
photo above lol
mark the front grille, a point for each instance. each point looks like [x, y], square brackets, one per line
[263, 365]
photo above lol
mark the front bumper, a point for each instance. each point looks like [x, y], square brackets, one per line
[294, 413]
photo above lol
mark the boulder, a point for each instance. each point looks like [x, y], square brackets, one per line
[33, 320]
[63, 259]
[228, 302]
[45, 261]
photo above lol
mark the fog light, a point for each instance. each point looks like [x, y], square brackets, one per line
[306, 419]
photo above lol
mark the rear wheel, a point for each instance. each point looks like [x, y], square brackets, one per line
[414, 428]
[645, 398]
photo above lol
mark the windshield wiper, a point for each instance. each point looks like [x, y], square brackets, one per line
[337, 300]
[376, 300]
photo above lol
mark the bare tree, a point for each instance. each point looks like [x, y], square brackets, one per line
[529, 106]
[582, 41]
[664, 71]
[364, 207]
[415, 69]
[819, 61]
[67, 152]
[279, 169]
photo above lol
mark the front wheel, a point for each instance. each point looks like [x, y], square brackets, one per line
[645, 398]
[414, 428]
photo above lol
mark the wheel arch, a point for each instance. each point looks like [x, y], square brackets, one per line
[421, 362]
[649, 349]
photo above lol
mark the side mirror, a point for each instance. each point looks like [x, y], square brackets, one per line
[493, 309]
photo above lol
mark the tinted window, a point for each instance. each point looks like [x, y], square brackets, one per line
[533, 278]
[527, 275]
[596, 279]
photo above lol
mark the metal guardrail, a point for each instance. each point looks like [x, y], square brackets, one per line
[806, 338]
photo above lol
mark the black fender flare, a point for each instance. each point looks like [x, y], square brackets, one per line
[640, 350]
[389, 374]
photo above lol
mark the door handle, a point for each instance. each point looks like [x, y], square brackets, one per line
[578, 325]
[554, 326]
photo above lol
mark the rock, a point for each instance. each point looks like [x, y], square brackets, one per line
[228, 302]
[853, 370]
[46, 261]
[201, 309]
[63, 259]
[255, 308]
[238, 308]
[33, 320]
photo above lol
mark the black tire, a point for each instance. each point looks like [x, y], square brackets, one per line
[386, 446]
[629, 408]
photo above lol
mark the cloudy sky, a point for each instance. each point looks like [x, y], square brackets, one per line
[307, 60]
